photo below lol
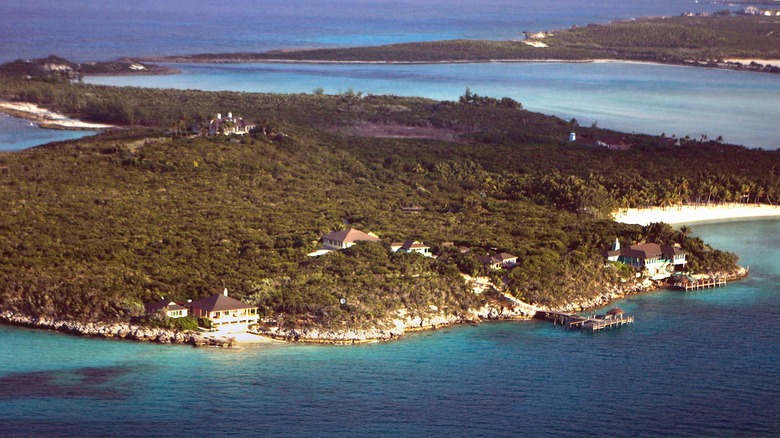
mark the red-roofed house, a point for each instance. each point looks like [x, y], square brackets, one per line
[345, 238]
[658, 261]
[410, 246]
[225, 311]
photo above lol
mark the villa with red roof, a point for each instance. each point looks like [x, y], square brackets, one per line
[343, 239]
[225, 312]
[657, 261]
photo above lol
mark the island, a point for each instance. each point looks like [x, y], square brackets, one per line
[720, 40]
[342, 218]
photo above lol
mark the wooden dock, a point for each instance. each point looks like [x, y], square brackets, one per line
[571, 321]
[699, 284]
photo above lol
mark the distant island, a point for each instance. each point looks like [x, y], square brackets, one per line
[721, 40]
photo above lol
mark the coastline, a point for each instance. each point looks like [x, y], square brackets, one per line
[505, 308]
[771, 66]
[119, 330]
[685, 214]
[47, 119]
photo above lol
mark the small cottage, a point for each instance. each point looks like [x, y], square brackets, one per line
[499, 261]
[168, 307]
[411, 246]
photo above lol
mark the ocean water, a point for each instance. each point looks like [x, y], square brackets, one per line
[741, 107]
[694, 364]
[89, 30]
[17, 134]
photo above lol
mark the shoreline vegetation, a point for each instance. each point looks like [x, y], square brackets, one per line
[93, 229]
[721, 41]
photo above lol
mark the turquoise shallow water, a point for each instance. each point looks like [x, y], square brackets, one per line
[694, 364]
[17, 134]
[739, 106]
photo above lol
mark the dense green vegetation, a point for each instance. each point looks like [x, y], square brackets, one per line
[676, 40]
[95, 228]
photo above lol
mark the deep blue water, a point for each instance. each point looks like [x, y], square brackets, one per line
[106, 29]
[694, 364]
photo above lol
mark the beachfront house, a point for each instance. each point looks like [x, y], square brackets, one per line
[168, 307]
[343, 239]
[411, 246]
[229, 125]
[225, 313]
[499, 261]
[653, 260]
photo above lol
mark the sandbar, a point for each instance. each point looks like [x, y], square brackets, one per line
[45, 118]
[684, 214]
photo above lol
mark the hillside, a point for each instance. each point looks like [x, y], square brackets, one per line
[92, 229]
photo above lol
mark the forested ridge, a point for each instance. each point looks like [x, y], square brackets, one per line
[711, 41]
[94, 228]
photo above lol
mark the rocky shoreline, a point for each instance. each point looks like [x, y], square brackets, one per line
[398, 327]
[118, 330]
[504, 309]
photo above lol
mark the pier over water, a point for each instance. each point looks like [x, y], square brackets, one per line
[571, 321]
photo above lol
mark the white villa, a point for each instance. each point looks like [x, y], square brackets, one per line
[411, 246]
[229, 125]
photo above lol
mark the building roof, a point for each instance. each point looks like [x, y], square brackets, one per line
[219, 302]
[163, 305]
[409, 244]
[642, 251]
[349, 235]
[496, 258]
[650, 250]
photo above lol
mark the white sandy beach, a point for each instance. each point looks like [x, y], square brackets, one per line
[700, 213]
[46, 118]
[242, 338]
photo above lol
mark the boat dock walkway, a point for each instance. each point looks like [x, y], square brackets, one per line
[571, 321]
[699, 284]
